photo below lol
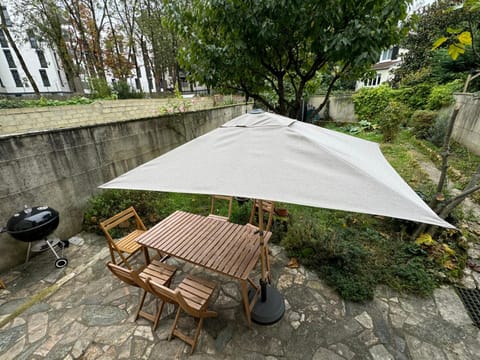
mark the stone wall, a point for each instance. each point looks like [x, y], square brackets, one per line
[62, 168]
[467, 124]
[23, 120]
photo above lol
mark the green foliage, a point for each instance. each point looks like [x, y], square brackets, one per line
[175, 106]
[415, 97]
[177, 92]
[110, 202]
[100, 88]
[445, 70]
[417, 77]
[337, 255]
[369, 102]
[425, 27]
[284, 51]
[124, 91]
[412, 276]
[16, 103]
[421, 122]
[436, 134]
[442, 95]
[391, 118]
[11, 104]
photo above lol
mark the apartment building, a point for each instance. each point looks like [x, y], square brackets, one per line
[41, 61]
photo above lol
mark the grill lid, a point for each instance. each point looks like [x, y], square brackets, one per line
[31, 219]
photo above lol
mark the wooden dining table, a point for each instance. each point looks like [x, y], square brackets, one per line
[220, 246]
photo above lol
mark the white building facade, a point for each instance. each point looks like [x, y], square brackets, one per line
[41, 62]
[390, 59]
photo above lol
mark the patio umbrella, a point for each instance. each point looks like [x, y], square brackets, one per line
[268, 156]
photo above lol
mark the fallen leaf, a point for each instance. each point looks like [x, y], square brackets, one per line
[293, 263]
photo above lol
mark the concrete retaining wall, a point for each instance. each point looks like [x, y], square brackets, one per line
[339, 108]
[467, 124]
[62, 168]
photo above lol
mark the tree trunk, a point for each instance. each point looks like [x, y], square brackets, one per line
[422, 228]
[444, 209]
[4, 27]
[445, 153]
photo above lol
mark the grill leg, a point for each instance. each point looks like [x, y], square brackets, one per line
[53, 250]
[28, 252]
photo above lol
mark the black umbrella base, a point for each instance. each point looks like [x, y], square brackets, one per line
[271, 310]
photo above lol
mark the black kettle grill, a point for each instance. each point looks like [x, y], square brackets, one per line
[35, 224]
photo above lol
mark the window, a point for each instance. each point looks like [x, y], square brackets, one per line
[1, 83]
[8, 22]
[9, 57]
[3, 39]
[373, 81]
[32, 39]
[16, 77]
[41, 58]
[386, 55]
[43, 74]
[137, 83]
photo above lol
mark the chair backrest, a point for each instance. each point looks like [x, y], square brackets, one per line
[222, 198]
[163, 292]
[126, 275]
[120, 218]
[176, 297]
[268, 208]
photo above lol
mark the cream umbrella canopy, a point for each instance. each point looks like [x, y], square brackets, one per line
[268, 156]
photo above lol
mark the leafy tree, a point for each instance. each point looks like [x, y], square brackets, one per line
[278, 47]
[159, 44]
[424, 28]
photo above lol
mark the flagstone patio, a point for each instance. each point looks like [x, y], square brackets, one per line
[83, 312]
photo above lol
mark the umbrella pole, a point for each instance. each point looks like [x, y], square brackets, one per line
[271, 306]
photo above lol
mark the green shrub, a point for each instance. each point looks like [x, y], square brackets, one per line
[124, 91]
[391, 118]
[341, 260]
[436, 133]
[110, 202]
[412, 276]
[100, 88]
[369, 102]
[16, 103]
[415, 97]
[442, 95]
[421, 122]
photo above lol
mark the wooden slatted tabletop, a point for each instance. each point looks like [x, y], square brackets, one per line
[221, 246]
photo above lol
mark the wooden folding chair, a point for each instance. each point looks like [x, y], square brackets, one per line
[192, 295]
[126, 246]
[161, 273]
[213, 209]
[268, 212]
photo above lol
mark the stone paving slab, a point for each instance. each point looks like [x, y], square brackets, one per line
[83, 312]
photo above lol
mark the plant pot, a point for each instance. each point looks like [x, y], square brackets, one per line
[241, 200]
[281, 212]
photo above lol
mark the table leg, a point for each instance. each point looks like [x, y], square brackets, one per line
[246, 303]
[147, 255]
